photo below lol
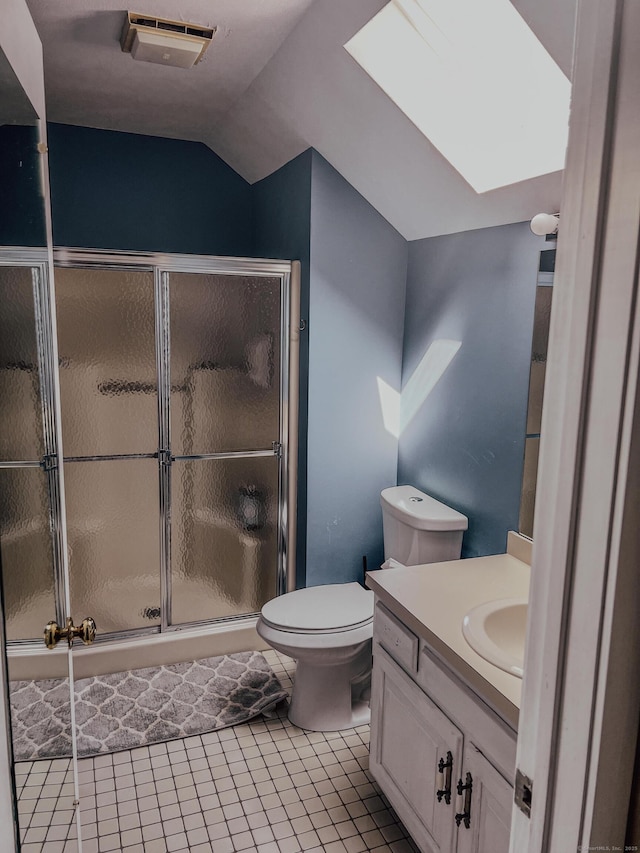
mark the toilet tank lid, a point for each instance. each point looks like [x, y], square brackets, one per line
[332, 607]
[421, 511]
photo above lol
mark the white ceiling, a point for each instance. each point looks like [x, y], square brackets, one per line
[275, 81]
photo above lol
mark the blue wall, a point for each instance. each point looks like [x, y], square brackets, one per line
[282, 229]
[466, 444]
[356, 311]
[114, 190]
[22, 220]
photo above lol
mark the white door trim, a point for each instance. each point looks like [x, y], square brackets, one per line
[579, 713]
[8, 804]
[18, 27]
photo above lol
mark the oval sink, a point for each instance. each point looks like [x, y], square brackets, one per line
[496, 631]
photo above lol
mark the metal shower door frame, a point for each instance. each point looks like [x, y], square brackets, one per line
[36, 260]
[162, 265]
[43, 285]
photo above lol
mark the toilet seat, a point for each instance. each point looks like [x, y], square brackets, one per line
[328, 631]
[328, 609]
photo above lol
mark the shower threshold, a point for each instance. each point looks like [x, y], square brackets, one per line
[190, 643]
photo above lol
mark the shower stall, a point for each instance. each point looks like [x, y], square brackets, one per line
[170, 478]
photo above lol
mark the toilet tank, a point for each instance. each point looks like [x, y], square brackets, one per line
[419, 529]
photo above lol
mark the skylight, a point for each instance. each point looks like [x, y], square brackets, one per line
[476, 81]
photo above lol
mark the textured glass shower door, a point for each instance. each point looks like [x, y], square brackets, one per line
[35, 577]
[172, 388]
[109, 397]
[28, 551]
[202, 517]
[224, 426]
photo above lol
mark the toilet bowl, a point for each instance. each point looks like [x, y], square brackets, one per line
[328, 630]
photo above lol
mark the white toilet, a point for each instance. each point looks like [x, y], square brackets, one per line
[328, 629]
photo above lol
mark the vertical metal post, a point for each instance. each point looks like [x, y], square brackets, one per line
[54, 464]
[292, 329]
[51, 459]
[161, 285]
[283, 449]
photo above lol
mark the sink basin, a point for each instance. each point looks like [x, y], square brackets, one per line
[496, 631]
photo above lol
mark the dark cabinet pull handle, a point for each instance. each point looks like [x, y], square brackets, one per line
[444, 779]
[466, 789]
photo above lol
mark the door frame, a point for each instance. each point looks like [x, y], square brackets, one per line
[581, 697]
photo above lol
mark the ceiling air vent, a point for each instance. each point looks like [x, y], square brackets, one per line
[164, 41]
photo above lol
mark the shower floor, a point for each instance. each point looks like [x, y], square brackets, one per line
[261, 787]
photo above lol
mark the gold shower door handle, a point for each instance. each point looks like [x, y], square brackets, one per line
[86, 631]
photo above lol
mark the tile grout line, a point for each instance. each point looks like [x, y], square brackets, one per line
[260, 787]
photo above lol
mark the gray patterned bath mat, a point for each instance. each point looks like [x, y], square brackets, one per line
[143, 706]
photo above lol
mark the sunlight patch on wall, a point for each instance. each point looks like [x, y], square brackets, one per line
[399, 409]
[475, 80]
[390, 406]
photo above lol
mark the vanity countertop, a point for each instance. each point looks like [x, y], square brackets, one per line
[432, 601]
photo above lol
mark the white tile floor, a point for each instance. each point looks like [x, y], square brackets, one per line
[262, 787]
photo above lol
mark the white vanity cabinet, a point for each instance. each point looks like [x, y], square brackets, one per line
[423, 719]
[409, 736]
[491, 799]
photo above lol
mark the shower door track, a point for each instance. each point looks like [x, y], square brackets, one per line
[162, 265]
[36, 647]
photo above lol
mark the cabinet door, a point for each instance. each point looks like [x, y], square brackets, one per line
[491, 799]
[409, 735]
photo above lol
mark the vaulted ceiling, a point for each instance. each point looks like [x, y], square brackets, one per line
[275, 81]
